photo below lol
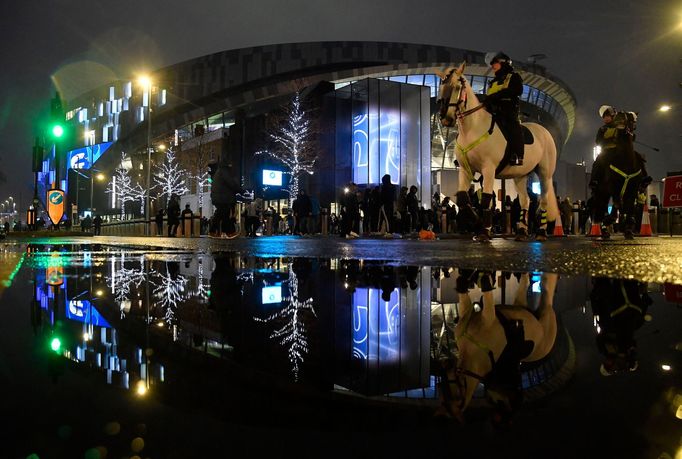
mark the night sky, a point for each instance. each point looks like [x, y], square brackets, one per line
[623, 53]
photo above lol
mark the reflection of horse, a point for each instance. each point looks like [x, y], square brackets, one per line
[481, 147]
[491, 344]
[617, 174]
[620, 308]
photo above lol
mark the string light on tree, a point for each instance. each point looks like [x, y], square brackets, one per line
[293, 143]
[121, 187]
[170, 177]
[293, 333]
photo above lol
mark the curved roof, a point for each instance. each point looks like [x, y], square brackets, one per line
[238, 78]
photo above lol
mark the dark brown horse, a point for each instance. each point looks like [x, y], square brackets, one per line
[617, 175]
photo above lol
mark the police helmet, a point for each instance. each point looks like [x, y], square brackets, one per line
[498, 56]
[633, 116]
[606, 110]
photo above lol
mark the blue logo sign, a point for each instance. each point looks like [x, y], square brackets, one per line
[56, 198]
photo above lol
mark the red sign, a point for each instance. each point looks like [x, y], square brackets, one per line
[672, 191]
[673, 293]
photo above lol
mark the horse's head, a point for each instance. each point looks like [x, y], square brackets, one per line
[451, 95]
[453, 391]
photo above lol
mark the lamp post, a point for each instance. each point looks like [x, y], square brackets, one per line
[100, 176]
[146, 82]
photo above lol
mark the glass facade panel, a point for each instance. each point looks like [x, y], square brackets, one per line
[533, 96]
[399, 79]
[526, 92]
[360, 127]
[416, 79]
[388, 136]
[478, 85]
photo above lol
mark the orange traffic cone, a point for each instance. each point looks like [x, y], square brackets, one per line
[558, 229]
[645, 228]
[595, 230]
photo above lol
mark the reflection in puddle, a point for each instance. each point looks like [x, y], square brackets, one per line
[458, 339]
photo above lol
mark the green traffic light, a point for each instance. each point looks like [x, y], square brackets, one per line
[55, 344]
[57, 131]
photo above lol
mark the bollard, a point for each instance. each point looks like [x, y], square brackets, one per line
[575, 227]
[187, 227]
[325, 221]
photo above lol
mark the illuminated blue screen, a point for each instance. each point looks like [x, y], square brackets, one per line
[272, 177]
[376, 147]
[272, 294]
[376, 325]
[85, 157]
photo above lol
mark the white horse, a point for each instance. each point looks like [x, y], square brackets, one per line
[480, 151]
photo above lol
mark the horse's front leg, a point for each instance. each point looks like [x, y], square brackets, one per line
[485, 232]
[464, 206]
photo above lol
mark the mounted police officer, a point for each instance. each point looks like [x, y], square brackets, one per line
[502, 101]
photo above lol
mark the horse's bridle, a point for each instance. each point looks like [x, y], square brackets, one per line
[460, 112]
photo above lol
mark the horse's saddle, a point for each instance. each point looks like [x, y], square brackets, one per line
[528, 139]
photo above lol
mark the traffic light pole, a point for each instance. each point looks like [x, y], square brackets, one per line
[147, 213]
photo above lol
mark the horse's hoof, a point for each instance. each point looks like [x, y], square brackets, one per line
[521, 235]
[541, 235]
[629, 235]
[482, 237]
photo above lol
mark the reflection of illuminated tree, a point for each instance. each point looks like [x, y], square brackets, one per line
[124, 279]
[169, 292]
[293, 332]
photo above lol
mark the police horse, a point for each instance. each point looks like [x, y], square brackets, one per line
[488, 344]
[618, 174]
[480, 147]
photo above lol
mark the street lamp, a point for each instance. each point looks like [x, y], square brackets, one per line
[664, 108]
[146, 83]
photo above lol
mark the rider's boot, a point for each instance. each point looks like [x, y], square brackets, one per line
[516, 143]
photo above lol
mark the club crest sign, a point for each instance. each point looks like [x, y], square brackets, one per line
[55, 205]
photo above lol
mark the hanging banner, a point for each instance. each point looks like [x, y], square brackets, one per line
[55, 205]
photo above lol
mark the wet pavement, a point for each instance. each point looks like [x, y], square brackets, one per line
[204, 347]
[652, 259]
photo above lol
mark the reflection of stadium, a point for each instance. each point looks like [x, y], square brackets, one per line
[375, 100]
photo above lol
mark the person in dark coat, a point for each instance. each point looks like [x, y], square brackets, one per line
[97, 224]
[224, 190]
[388, 198]
[158, 219]
[187, 214]
[350, 212]
[173, 212]
[413, 209]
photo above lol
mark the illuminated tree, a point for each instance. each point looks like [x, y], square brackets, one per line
[293, 142]
[170, 177]
[121, 186]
